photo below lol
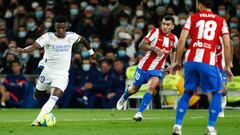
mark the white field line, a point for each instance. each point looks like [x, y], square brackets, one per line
[120, 119]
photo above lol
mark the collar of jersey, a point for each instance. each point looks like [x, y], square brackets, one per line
[205, 11]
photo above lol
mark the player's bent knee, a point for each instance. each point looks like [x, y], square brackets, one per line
[39, 94]
[133, 89]
[57, 92]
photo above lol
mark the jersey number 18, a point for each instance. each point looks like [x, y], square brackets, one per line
[206, 29]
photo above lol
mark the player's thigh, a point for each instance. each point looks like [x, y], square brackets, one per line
[60, 82]
[210, 78]
[191, 76]
[44, 81]
[154, 77]
[42, 86]
[139, 77]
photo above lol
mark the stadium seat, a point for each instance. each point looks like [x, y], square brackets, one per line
[234, 89]
[169, 93]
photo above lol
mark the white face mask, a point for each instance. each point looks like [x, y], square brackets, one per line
[166, 2]
[95, 45]
[74, 11]
[128, 12]
[182, 22]
[188, 41]
[36, 54]
[150, 4]
[30, 25]
[123, 23]
[86, 67]
[238, 13]
[139, 13]
[8, 14]
[137, 36]
[24, 56]
[47, 24]
[188, 2]
[140, 25]
[22, 34]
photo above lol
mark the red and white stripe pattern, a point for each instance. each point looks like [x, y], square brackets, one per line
[220, 55]
[204, 28]
[156, 38]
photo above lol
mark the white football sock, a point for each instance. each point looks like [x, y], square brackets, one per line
[210, 128]
[224, 102]
[48, 106]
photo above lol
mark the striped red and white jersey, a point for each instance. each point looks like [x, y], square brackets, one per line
[156, 38]
[204, 28]
[220, 55]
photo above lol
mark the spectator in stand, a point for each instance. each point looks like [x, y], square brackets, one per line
[223, 12]
[236, 54]
[39, 14]
[233, 22]
[31, 26]
[102, 86]
[238, 11]
[13, 88]
[87, 78]
[117, 84]
[6, 63]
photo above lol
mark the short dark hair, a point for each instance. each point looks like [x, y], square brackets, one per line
[61, 19]
[206, 3]
[169, 18]
[15, 61]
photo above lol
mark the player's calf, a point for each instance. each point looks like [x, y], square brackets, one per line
[40, 94]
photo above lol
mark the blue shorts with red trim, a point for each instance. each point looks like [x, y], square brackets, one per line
[202, 75]
[142, 76]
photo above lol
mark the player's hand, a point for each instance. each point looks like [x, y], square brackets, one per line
[175, 67]
[19, 50]
[168, 70]
[229, 73]
[93, 58]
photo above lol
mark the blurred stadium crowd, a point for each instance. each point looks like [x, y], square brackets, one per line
[114, 29]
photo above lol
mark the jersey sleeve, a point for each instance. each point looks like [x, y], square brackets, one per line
[76, 38]
[187, 24]
[151, 35]
[224, 28]
[43, 40]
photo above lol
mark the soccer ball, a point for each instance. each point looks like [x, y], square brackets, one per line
[48, 120]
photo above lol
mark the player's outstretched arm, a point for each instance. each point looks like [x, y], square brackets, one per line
[146, 47]
[90, 50]
[27, 49]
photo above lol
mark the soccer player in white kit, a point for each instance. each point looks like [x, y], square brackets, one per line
[57, 57]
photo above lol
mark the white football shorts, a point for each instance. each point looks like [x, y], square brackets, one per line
[48, 79]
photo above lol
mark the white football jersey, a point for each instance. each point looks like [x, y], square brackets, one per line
[58, 51]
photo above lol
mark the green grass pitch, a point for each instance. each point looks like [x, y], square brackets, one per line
[113, 122]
